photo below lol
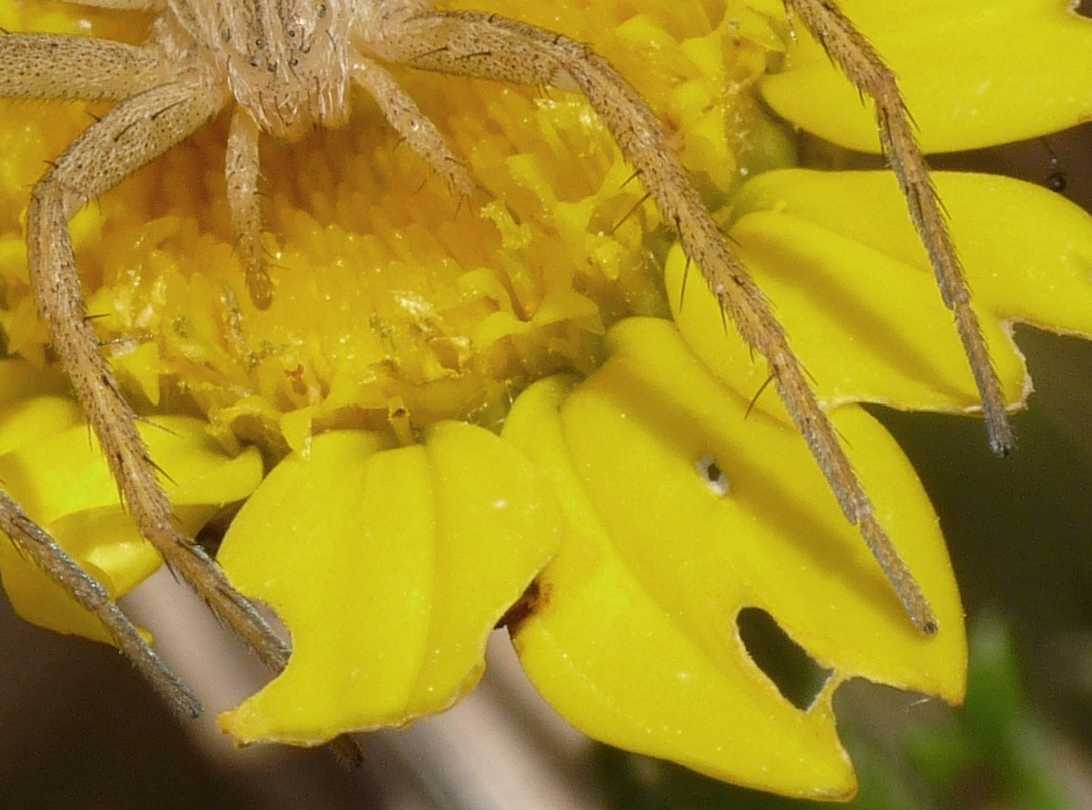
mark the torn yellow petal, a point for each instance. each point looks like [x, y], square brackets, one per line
[634, 639]
[55, 471]
[854, 289]
[390, 568]
[973, 74]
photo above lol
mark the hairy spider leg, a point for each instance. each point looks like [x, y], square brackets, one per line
[130, 135]
[866, 70]
[493, 47]
[52, 66]
[242, 166]
[414, 127]
[36, 545]
[149, 120]
[45, 66]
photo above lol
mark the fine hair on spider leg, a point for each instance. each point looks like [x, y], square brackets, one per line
[159, 106]
[35, 545]
[286, 67]
[492, 47]
[849, 49]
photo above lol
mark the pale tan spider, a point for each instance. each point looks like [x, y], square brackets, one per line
[286, 66]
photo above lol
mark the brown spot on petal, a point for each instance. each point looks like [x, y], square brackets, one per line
[534, 599]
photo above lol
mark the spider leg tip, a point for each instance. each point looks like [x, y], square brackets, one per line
[1002, 442]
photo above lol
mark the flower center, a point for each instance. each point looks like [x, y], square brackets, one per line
[396, 303]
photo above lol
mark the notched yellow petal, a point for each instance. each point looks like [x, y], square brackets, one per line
[973, 74]
[390, 567]
[854, 290]
[636, 641]
[53, 468]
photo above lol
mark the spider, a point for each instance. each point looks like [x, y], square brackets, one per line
[287, 66]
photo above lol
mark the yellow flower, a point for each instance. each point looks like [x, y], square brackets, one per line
[462, 399]
[52, 469]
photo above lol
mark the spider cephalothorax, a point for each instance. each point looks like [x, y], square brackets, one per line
[286, 66]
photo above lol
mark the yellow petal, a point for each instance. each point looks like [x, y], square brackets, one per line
[390, 568]
[56, 472]
[65, 473]
[20, 380]
[38, 600]
[26, 421]
[107, 546]
[140, 367]
[635, 638]
[851, 283]
[973, 74]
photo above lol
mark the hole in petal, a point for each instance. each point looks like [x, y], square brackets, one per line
[782, 660]
[713, 476]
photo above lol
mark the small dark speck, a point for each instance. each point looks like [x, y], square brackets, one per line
[713, 475]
